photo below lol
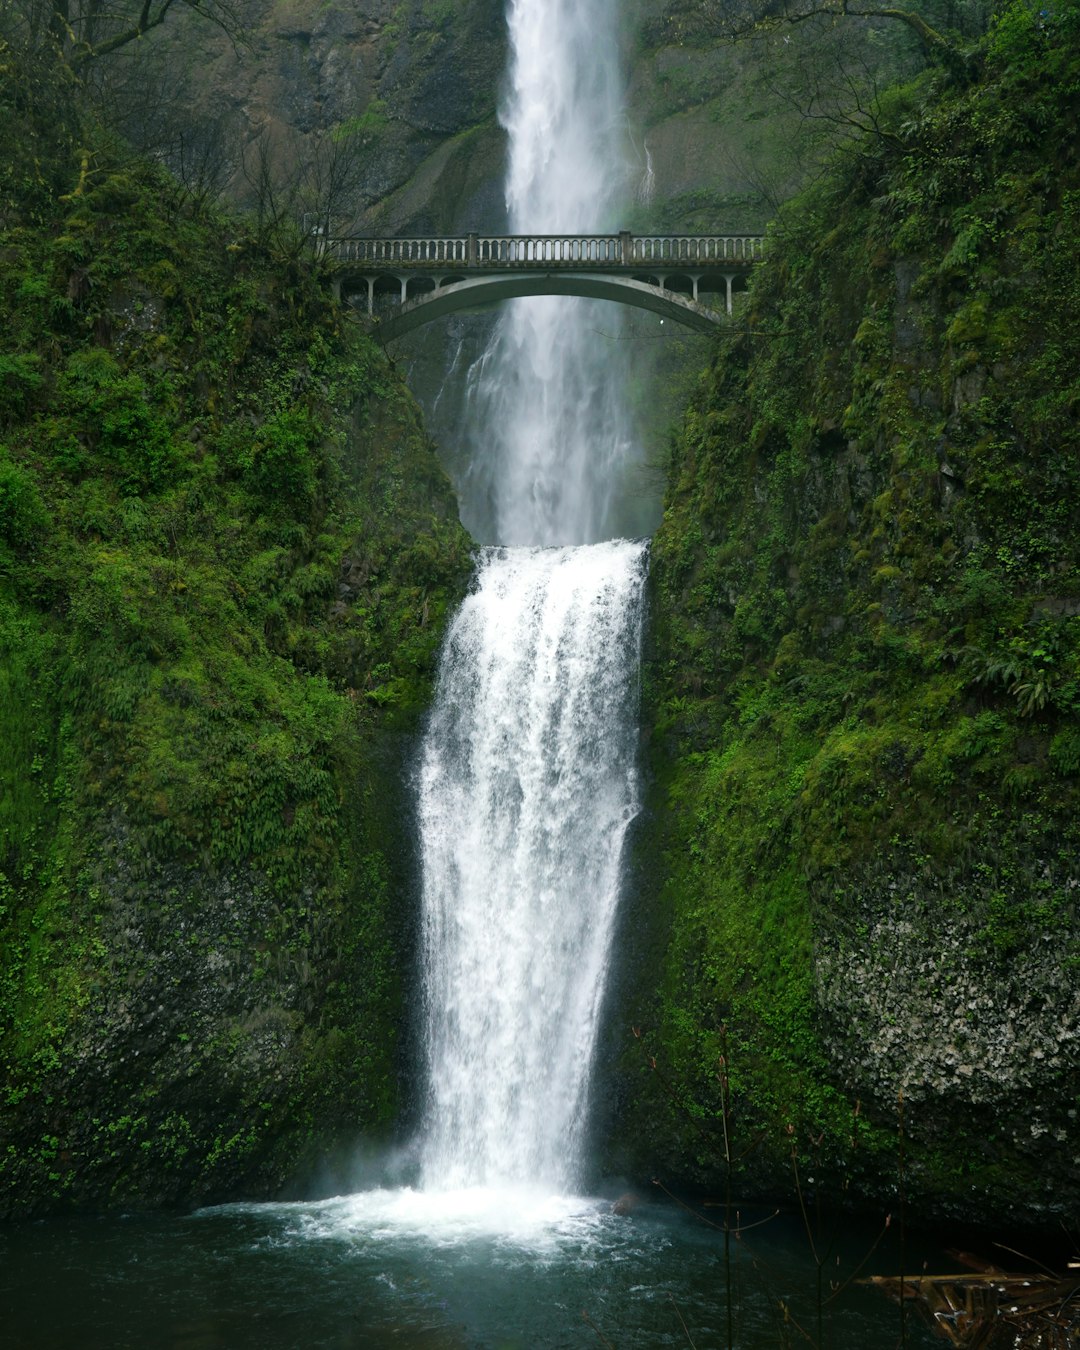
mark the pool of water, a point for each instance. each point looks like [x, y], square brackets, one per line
[401, 1268]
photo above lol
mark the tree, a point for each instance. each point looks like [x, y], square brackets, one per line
[83, 31]
[302, 188]
[737, 20]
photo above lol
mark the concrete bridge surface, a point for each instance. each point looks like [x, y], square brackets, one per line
[407, 282]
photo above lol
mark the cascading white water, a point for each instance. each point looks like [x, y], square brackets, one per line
[528, 781]
[549, 406]
[527, 787]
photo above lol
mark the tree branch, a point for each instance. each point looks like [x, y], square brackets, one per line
[719, 21]
[145, 22]
[220, 12]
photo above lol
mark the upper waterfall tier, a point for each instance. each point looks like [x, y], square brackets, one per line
[549, 400]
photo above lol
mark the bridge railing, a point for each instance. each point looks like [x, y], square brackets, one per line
[548, 250]
[622, 250]
[711, 248]
[413, 252]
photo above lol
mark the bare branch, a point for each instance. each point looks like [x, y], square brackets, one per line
[724, 20]
[84, 31]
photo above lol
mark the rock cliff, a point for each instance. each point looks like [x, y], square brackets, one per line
[861, 859]
[226, 548]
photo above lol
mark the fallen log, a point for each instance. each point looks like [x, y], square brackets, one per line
[992, 1310]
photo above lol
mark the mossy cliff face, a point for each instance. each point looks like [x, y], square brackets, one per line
[226, 551]
[860, 872]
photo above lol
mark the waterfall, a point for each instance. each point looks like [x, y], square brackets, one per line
[527, 787]
[548, 401]
[528, 779]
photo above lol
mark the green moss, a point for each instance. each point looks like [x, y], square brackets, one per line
[866, 664]
[226, 552]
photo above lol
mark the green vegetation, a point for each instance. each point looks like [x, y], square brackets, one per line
[226, 551]
[865, 680]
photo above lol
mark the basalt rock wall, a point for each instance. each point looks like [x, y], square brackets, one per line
[226, 552]
[857, 885]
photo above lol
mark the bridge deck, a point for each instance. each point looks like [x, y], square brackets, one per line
[595, 252]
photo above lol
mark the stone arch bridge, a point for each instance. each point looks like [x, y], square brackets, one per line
[408, 282]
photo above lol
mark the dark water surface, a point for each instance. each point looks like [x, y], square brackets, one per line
[405, 1269]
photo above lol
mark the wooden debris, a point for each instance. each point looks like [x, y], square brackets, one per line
[992, 1310]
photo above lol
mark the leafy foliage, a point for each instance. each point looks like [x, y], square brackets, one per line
[867, 651]
[225, 552]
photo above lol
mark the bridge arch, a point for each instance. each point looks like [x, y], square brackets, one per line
[483, 290]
